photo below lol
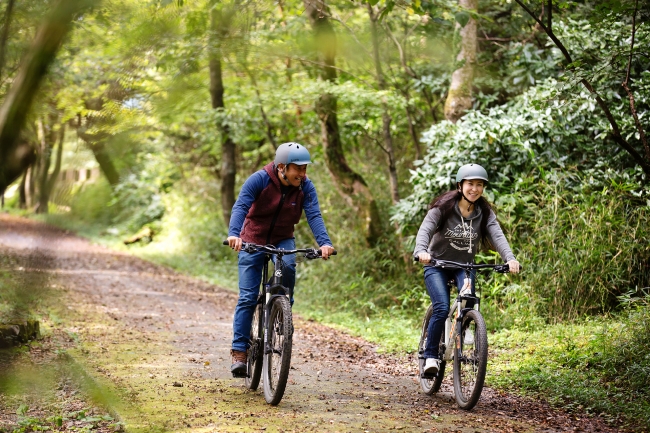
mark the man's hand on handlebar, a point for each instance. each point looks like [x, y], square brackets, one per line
[235, 243]
[326, 251]
[514, 266]
[424, 257]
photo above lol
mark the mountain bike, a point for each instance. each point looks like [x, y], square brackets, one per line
[269, 350]
[464, 341]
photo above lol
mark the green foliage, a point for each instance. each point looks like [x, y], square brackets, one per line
[599, 365]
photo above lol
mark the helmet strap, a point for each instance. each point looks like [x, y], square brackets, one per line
[460, 190]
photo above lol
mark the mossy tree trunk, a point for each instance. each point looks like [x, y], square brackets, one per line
[459, 98]
[351, 185]
[218, 28]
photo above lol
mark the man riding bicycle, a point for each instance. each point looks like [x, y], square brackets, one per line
[269, 206]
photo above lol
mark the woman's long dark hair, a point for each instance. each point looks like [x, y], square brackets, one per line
[446, 202]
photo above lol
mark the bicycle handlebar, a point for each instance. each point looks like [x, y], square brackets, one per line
[503, 268]
[311, 253]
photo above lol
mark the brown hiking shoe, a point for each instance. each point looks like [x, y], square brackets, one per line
[238, 367]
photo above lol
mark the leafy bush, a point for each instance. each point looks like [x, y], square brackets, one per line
[598, 365]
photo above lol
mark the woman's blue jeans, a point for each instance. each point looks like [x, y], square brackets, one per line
[437, 283]
[250, 278]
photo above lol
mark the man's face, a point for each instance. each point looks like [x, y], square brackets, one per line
[295, 173]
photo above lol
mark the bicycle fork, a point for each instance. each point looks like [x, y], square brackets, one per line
[454, 320]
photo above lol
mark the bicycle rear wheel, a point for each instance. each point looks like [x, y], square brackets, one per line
[255, 351]
[470, 360]
[429, 385]
[277, 354]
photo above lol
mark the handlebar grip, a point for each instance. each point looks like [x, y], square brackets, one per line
[416, 258]
[226, 243]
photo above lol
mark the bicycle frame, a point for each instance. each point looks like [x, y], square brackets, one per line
[271, 289]
[456, 314]
[458, 310]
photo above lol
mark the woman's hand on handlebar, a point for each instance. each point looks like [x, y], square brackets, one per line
[514, 266]
[424, 257]
[326, 251]
[235, 243]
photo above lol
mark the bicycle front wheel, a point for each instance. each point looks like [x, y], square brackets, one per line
[254, 359]
[470, 360]
[277, 353]
[429, 385]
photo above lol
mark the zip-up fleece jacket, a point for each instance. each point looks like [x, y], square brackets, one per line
[457, 240]
[262, 203]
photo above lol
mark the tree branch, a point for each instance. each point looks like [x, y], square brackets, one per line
[548, 31]
[616, 132]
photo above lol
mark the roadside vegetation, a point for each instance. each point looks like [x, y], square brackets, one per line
[135, 94]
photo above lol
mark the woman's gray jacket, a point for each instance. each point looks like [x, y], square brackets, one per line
[458, 238]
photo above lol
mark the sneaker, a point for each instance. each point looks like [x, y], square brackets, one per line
[468, 339]
[431, 366]
[238, 367]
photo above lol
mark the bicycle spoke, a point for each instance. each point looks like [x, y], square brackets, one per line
[470, 360]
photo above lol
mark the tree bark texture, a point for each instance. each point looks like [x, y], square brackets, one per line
[351, 185]
[5, 33]
[228, 147]
[14, 158]
[45, 138]
[47, 179]
[105, 162]
[459, 98]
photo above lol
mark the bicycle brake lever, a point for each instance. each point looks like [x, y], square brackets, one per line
[313, 254]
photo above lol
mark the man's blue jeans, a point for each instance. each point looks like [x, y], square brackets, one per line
[250, 278]
[437, 283]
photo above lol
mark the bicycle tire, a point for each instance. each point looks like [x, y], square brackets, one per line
[470, 360]
[277, 356]
[429, 386]
[254, 360]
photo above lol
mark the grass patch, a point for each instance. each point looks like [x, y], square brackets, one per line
[393, 334]
[599, 365]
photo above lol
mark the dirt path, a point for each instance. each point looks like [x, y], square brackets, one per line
[158, 342]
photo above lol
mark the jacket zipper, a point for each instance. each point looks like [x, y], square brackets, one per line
[275, 217]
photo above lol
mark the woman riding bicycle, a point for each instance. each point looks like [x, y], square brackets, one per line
[457, 222]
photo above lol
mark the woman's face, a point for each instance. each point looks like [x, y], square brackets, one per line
[473, 189]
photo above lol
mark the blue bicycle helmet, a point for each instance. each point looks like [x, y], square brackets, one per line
[292, 153]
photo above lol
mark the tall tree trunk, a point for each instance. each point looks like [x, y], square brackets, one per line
[48, 181]
[105, 162]
[5, 34]
[459, 98]
[386, 119]
[22, 191]
[16, 105]
[228, 148]
[45, 141]
[350, 184]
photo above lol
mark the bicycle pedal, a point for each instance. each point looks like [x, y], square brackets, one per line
[240, 375]
[428, 376]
